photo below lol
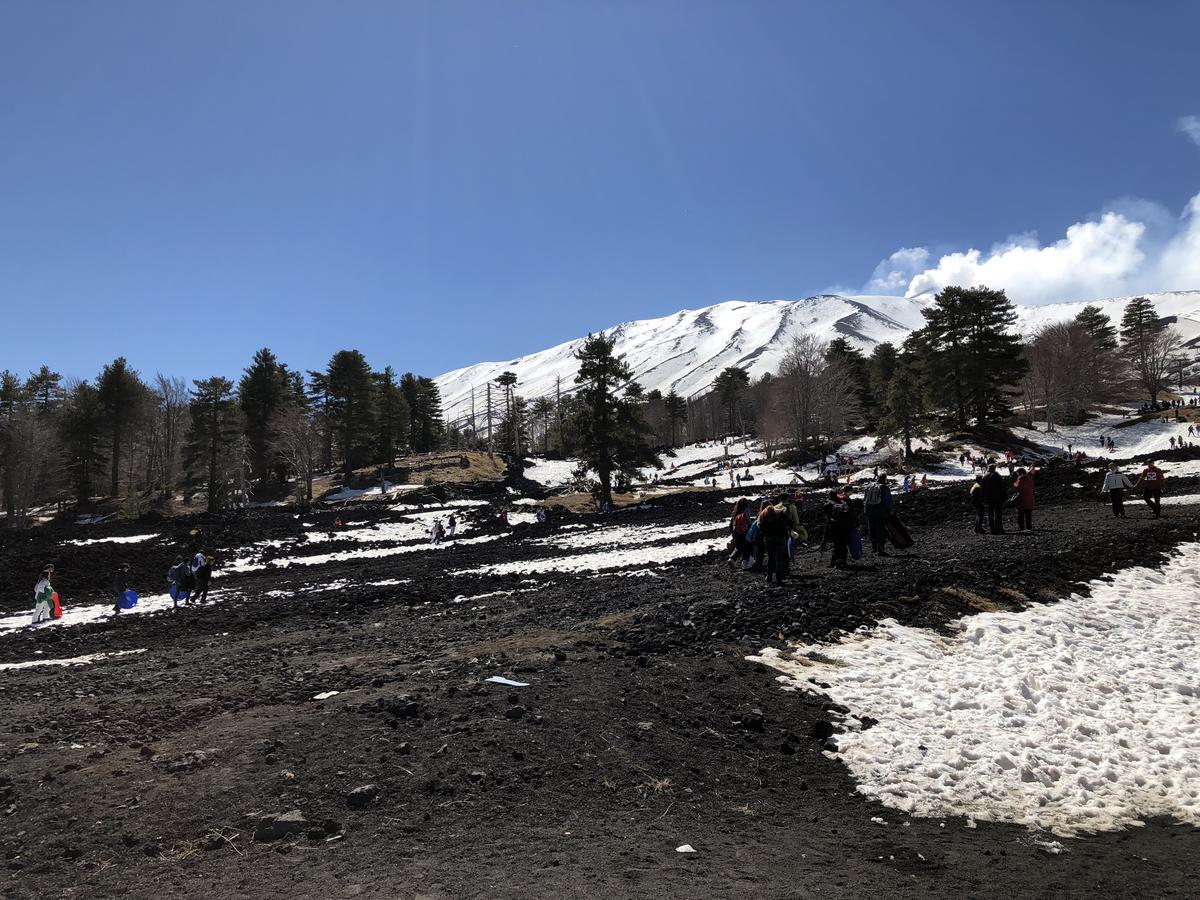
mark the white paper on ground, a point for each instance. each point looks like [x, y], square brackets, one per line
[497, 679]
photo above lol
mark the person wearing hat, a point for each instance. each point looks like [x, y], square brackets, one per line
[120, 586]
[201, 573]
[43, 596]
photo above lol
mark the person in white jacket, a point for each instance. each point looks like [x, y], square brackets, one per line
[1115, 485]
[43, 596]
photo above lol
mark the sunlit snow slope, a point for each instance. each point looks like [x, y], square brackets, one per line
[685, 352]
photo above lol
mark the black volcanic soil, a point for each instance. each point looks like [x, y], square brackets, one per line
[642, 729]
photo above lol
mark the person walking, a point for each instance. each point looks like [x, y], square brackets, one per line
[739, 525]
[452, 524]
[177, 575]
[773, 530]
[839, 522]
[120, 586]
[978, 504]
[1024, 488]
[43, 596]
[995, 490]
[1115, 485]
[201, 576]
[877, 500]
[1151, 481]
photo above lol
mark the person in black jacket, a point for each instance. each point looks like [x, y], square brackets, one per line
[773, 527]
[120, 586]
[839, 522]
[995, 490]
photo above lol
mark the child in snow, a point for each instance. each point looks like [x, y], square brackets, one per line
[43, 596]
[120, 586]
[177, 575]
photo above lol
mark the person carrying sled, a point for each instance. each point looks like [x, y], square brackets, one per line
[1151, 482]
[839, 522]
[119, 587]
[877, 499]
[178, 576]
[995, 490]
[1024, 488]
[43, 596]
[1115, 485]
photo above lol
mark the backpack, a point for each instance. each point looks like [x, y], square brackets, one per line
[873, 495]
[740, 524]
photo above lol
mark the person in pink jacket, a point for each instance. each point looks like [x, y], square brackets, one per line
[1024, 489]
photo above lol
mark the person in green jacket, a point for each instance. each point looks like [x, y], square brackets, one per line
[43, 596]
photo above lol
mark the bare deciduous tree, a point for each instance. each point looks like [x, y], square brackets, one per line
[297, 440]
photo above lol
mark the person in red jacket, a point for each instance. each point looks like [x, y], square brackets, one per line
[1024, 488]
[1151, 481]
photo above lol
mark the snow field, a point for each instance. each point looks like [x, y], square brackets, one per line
[1079, 716]
[96, 612]
[616, 558]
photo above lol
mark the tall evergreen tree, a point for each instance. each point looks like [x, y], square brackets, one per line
[907, 415]
[614, 439]
[351, 407]
[855, 364]
[880, 367]
[121, 394]
[973, 358]
[1149, 346]
[82, 429]
[44, 389]
[318, 405]
[212, 452]
[676, 408]
[392, 421]
[425, 412]
[263, 387]
[1104, 365]
[731, 384]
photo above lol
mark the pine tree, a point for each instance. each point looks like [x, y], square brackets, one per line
[613, 438]
[351, 407]
[731, 385]
[907, 415]
[1105, 364]
[880, 367]
[854, 364]
[263, 386]
[1149, 346]
[424, 400]
[393, 419]
[44, 389]
[677, 413]
[121, 393]
[212, 452]
[973, 358]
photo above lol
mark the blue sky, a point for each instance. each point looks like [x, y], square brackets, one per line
[441, 183]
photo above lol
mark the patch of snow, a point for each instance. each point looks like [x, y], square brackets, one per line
[73, 661]
[128, 539]
[600, 561]
[1078, 716]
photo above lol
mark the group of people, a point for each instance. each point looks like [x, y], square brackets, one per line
[188, 581]
[990, 493]
[768, 538]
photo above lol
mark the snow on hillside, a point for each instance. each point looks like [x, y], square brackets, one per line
[684, 352]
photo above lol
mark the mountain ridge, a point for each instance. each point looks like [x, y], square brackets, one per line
[685, 350]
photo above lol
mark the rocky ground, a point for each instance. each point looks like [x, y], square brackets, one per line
[204, 765]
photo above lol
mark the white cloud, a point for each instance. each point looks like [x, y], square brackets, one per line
[1134, 246]
[1190, 125]
[894, 273]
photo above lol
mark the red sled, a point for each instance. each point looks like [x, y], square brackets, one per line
[55, 607]
[897, 533]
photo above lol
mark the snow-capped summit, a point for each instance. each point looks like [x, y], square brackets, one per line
[684, 352]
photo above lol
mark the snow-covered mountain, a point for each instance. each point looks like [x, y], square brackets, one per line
[684, 352]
